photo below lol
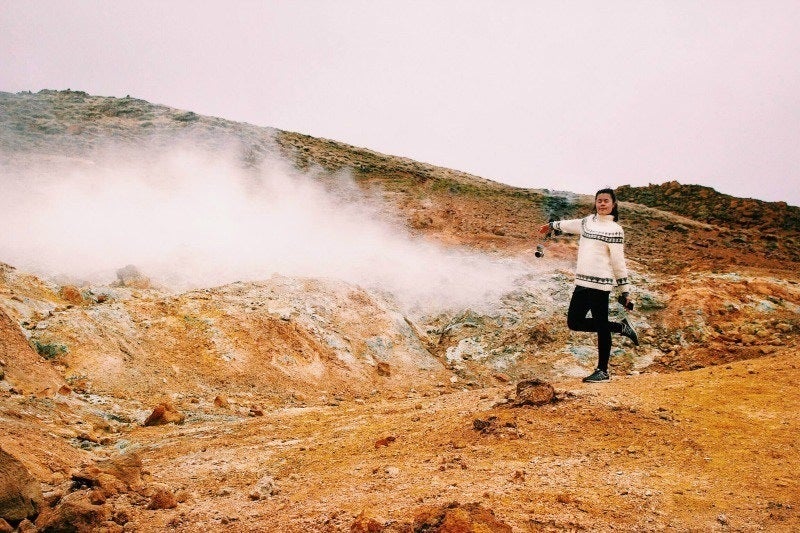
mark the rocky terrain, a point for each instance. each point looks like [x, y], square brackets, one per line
[289, 402]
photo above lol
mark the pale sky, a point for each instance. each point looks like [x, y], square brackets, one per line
[565, 95]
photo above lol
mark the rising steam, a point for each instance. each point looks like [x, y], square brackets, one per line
[188, 217]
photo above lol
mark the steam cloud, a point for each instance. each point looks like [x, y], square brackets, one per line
[188, 217]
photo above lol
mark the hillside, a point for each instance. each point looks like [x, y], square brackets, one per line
[375, 383]
[704, 204]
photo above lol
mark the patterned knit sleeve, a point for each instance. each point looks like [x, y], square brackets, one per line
[567, 226]
[617, 250]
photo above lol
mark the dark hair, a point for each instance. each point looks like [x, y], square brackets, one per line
[610, 192]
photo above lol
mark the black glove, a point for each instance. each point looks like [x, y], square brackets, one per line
[623, 301]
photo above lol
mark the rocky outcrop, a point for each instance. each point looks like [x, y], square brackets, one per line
[20, 493]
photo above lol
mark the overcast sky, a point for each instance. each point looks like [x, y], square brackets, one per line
[566, 95]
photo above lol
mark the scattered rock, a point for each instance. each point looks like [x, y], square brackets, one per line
[20, 493]
[165, 413]
[383, 369]
[127, 468]
[222, 402]
[264, 488]
[384, 441]
[71, 294]
[534, 392]
[365, 524]
[26, 526]
[75, 512]
[163, 499]
[457, 518]
[5, 527]
[482, 425]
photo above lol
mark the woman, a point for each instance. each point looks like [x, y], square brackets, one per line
[600, 267]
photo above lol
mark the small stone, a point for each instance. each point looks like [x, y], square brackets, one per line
[26, 526]
[392, 471]
[71, 294]
[534, 392]
[384, 441]
[383, 369]
[723, 519]
[164, 413]
[365, 524]
[222, 402]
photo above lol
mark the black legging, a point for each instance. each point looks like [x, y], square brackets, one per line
[584, 300]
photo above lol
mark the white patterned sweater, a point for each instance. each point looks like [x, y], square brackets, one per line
[601, 252]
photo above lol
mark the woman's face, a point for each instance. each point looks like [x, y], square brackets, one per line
[604, 204]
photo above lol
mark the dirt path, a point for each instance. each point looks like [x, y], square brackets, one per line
[708, 449]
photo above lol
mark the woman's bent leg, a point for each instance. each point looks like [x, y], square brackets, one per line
[579, 306]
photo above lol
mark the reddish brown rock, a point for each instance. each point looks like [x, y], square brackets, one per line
[221, 402]
[457, 518]
[383, 369]
[163, 499]
[165, 413]
[75, 513]
[20, 492]
[71, 294]
[127, 468]
[5, 527]
[26, 526]
[385, 441]
[534, 392]
[365, 524]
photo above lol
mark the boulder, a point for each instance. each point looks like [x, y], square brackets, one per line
[20, 493]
